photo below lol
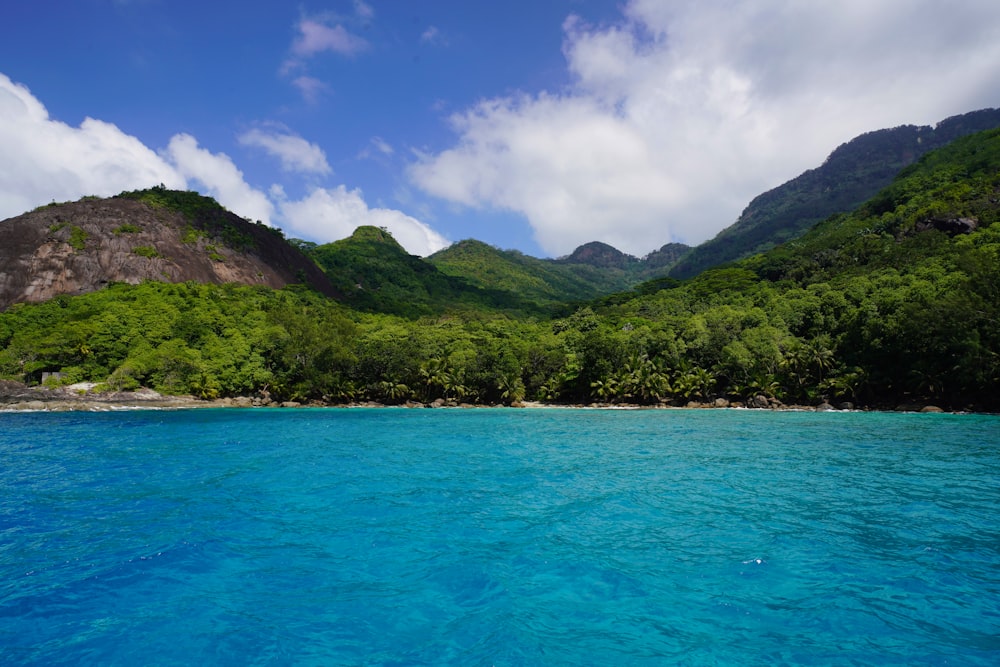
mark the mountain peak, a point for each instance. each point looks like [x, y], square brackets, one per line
[600, 255]
[155, 234]
[372, 234]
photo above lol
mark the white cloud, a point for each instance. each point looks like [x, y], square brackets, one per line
[310, 87]
[682, 112]
[433, 36]
[220, 177]
[316, 37]
[296, 154]
[46, 160]
[336, 212]
[382, 146]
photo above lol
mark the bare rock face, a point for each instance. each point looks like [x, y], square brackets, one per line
[953, 226]
[82, 246]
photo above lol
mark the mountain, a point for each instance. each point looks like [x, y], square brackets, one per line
[592, 270]
[376, 274]
[600, 255]
[852, 174]
[892, 305]
[155, 234]
[170, 236]
[542, 281]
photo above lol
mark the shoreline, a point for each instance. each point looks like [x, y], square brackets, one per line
[16, 397]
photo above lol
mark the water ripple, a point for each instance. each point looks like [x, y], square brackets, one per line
[499, 537]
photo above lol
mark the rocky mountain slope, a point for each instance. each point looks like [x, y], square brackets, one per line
[156, 234]
[851, 175]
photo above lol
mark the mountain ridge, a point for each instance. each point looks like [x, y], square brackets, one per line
[891, 306]
[853, 173]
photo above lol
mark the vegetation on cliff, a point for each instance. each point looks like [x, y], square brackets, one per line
[852, 174]
[896, 302]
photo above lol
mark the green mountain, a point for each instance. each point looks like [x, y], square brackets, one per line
[893, 304]
[592, 270]
[539, 280]
[897, 302]
[376, 274]
[852, 174]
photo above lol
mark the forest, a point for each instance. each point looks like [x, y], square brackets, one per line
[897, 302]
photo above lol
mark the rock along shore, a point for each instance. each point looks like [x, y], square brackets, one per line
[17, 397]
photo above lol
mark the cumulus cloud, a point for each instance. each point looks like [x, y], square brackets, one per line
[310, 87]
[680, 113]
[217, 173]
[295, 153]
[333, 213]
[316, 37]
[46, 160]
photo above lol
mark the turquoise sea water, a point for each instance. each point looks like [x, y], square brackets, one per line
[499, 537]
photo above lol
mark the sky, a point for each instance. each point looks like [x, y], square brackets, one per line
[534, 125]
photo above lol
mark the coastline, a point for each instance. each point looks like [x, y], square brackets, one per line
[16, 397]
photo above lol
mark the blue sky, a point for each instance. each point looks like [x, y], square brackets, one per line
[536, 125]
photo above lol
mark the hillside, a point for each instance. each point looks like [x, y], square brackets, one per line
[376, 274]
[852, 174]
[895, 304]
[592, 270]
[533, 279]
[156, 234]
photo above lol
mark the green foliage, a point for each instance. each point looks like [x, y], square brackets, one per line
[191, 204]
[854, 173]
[579, 277]
[880, 306]
[376, 274]
[146, 251]
[213, 253]
[192, 235]
[127, 228]
[78, 238]
[206, 218]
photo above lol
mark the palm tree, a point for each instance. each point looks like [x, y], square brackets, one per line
[511, 388]
[433, 373]
[606, 390]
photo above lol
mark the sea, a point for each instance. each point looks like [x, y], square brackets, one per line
[499, 537]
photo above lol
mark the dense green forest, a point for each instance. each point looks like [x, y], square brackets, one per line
[896, 302]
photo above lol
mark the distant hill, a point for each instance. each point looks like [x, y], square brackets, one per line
[376, 274]
[592, 270]
[542, 281]
[154, 234]
[852, 174]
